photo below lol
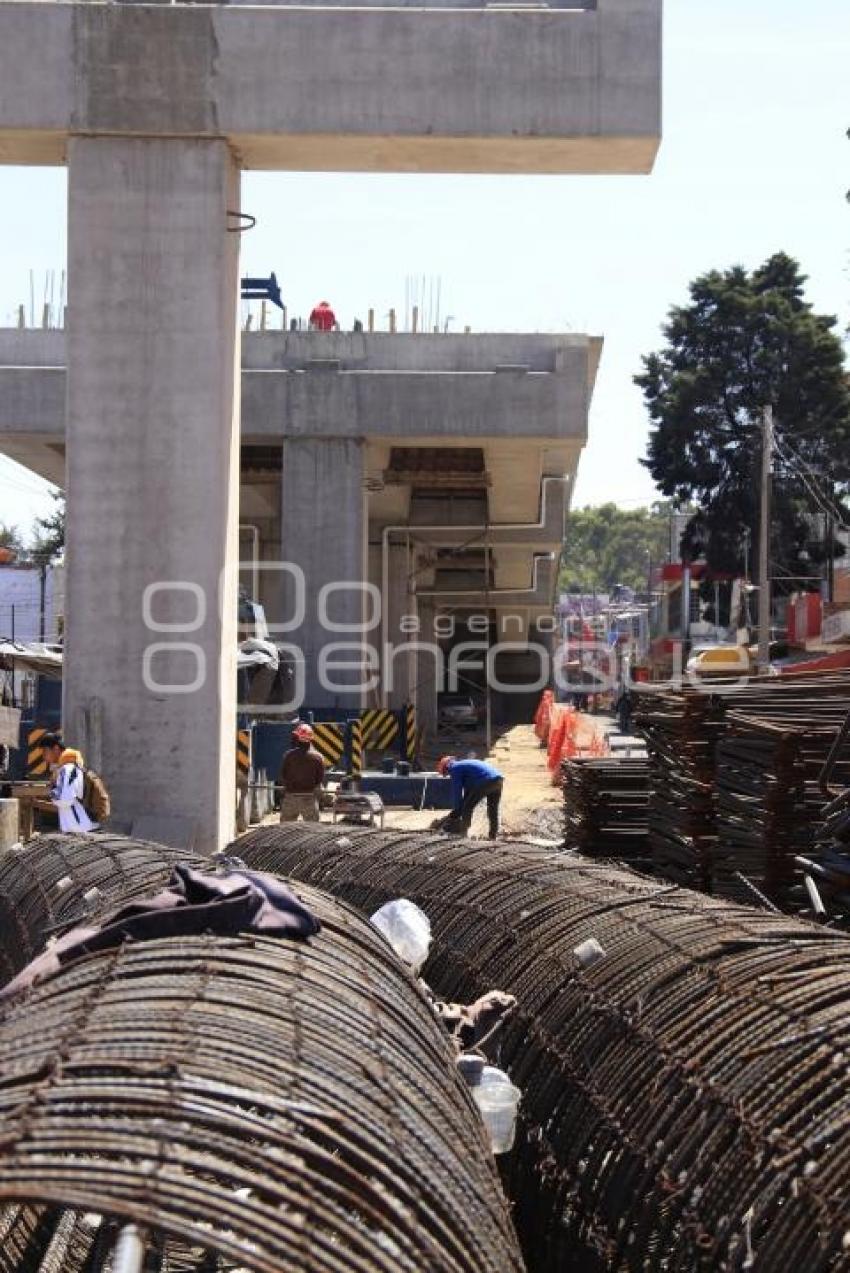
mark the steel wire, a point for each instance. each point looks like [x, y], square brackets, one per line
[252, 1104]
[684, 1099]
[48, 883]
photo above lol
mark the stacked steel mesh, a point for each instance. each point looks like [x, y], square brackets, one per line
[606, 806]
[249, 1104]
[681, 729]
[684, 1097]
[56, 880]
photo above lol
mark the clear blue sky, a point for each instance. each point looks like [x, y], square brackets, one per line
[754, 160]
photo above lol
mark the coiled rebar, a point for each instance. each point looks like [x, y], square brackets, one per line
[56, 880]
[685, 1098]
[244, 1104]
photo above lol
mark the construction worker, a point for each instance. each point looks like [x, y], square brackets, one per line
[472, 782]
[322, 318]
[68, 791]
[95, 798]
[302, 772]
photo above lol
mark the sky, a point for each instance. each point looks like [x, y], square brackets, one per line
[754, 160]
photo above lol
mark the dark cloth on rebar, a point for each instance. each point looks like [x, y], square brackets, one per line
[192, 904]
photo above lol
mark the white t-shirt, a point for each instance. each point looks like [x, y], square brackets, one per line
[67, 795]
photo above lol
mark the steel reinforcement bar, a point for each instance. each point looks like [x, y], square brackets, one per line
[56, 880]
[217, 1104]
[685, 1099]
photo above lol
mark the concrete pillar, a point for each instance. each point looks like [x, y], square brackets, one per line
[8, 823]
[324, 522]
[152, 473]
[401, 605]
[427, 671]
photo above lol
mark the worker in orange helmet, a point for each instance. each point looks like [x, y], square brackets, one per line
[472, 782]
[322, 317]
[302, 772]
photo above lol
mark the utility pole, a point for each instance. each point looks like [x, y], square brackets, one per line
[42, 590]
[764, 539]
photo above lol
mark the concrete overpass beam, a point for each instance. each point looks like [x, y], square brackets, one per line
[153, 465]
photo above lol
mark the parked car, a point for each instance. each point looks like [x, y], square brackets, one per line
[457, 711]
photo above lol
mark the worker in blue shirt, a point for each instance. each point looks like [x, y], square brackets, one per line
[472, 782]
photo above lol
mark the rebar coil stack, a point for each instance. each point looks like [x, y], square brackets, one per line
[684, 1098]
[247, 1104]
[57, 880]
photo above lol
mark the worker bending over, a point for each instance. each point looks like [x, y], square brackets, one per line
[472, 782]
[302, 772]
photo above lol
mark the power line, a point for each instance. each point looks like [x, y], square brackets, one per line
[823, 501]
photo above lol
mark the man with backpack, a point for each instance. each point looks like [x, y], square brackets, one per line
[79, 794]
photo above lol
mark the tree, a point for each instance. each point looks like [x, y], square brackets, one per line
[10, 537]
[607, 545]
[48, 542]
[744, 341]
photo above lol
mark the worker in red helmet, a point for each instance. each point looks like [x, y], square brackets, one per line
[472, 782]
[302, 772]
[322, 317]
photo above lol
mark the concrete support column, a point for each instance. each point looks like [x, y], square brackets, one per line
[152, 474]
[427, 670]
[324, 521]
[401, 606]
[9, 823]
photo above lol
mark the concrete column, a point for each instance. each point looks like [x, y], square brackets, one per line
[426, 671]
[152, 474]
[324, 538]
[401, 605]
[8, 823]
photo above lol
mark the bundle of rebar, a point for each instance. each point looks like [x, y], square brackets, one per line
[734, 780]
[681, 729]
[56, 880]
[211, 1104]
[606, 806]
[763, 813]
[683, 1060]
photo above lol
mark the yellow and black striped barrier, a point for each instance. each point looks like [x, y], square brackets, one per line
[329, 741]
[410, 732]
[36, 764]
[380, 728]
[356, 748]
[243, 754]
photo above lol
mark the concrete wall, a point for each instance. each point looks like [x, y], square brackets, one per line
[340, 89]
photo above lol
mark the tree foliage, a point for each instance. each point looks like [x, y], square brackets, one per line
[608, 545]
[49, 539]
[10, 537]
[744, 341]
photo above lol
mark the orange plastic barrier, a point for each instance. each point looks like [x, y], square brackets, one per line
[557, 736]
[542, 717]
